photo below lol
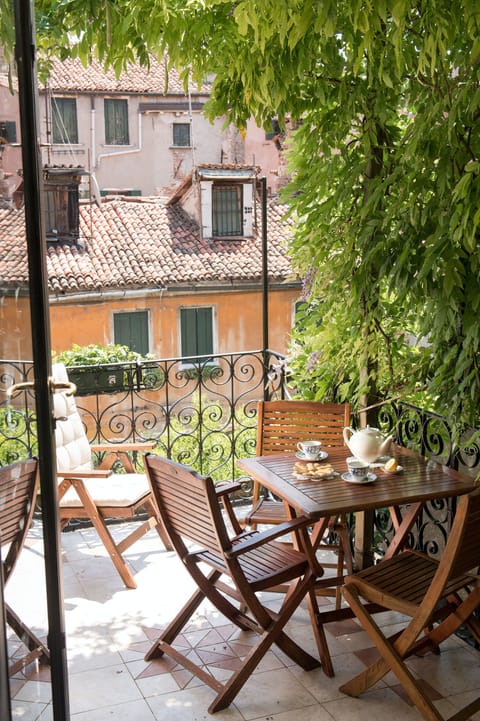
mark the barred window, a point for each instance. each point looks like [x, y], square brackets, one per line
[181, 135]
[227, 210]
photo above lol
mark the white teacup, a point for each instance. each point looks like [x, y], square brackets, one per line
[310, 449]
[358, 469]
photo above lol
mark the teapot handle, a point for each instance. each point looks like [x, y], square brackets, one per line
[345, 437]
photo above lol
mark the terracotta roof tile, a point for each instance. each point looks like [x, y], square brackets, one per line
[71, 75]
[140, 244]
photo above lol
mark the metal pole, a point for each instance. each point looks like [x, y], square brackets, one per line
[39, 312]
[5, 704]
[265, 343]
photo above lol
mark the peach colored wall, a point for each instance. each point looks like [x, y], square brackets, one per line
[237, 320]
[15, 329]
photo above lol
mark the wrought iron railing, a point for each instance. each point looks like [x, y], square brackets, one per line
[430, 435]
[199, 411]
[202, 412]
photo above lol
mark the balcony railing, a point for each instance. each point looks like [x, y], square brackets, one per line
[198, 411]
[202, 412]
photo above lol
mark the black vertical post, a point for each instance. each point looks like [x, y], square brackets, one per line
[39, 313]
[5, 704]
[265, 343]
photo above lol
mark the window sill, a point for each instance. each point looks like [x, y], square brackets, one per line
[230, 237]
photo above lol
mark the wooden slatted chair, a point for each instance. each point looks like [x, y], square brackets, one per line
[281, 425]
[18, 493]
[438, 596]
[225, 568]
[98, 494]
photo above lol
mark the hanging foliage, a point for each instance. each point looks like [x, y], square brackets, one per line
[385, 164]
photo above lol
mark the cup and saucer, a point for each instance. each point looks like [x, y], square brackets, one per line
[349, 478]
[310, 451]
[358, 472]
[311, 459]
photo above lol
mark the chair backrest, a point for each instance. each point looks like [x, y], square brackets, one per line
[73, 448]
[188, 505]
[282, 424]
[462, 550]
[18, 491]
[461, 554]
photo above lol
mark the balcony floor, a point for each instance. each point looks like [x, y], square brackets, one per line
[109, 628]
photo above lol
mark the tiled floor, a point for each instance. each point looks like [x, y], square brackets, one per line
[109, 628]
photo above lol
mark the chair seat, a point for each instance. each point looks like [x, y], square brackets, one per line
[115, 491]
[385, 582]
[264, 511]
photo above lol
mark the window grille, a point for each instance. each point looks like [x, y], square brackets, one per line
[227, 211]
[181, 135]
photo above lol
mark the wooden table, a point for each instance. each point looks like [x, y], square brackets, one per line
[419, 481]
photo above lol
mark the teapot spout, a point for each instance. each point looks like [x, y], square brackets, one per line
[385, 447]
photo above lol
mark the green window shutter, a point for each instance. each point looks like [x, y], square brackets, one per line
[131, 329]
[196, 331]
[116, 122]
[64, 121]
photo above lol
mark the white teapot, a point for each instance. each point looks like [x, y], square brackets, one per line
[367, 443]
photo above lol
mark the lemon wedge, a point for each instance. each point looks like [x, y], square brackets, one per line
[391, 465]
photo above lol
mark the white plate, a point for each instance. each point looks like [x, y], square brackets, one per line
[306, 477]
[371, 477]
[302, 457]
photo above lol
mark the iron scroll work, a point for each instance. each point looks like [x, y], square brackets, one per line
[430, 435]
[202, 412]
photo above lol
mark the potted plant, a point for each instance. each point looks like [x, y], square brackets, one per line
[108, 376]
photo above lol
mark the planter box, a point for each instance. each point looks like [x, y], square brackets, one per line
[91, 382]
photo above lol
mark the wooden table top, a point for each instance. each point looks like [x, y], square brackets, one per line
[420, 480]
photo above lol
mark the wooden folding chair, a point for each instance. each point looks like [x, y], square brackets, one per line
[99, 494]
[251, 562]
[438, 596]
[281, 425]
[18, 493]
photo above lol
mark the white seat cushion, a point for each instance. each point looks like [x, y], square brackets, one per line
[119, 489]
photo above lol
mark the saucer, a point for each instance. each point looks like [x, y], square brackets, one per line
[302, 457]
[371, 477]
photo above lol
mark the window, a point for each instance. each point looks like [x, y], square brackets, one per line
[276, 130]
[64, 121]
[61, 216]
[181, 135]
[227, 210]
[227, 201]
[131, 329]
[196, 326]
[116, 122]
[8, 131]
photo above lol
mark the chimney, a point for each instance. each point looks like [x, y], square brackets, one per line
[61, 185]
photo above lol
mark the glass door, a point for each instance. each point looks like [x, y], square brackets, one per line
[33, 591]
